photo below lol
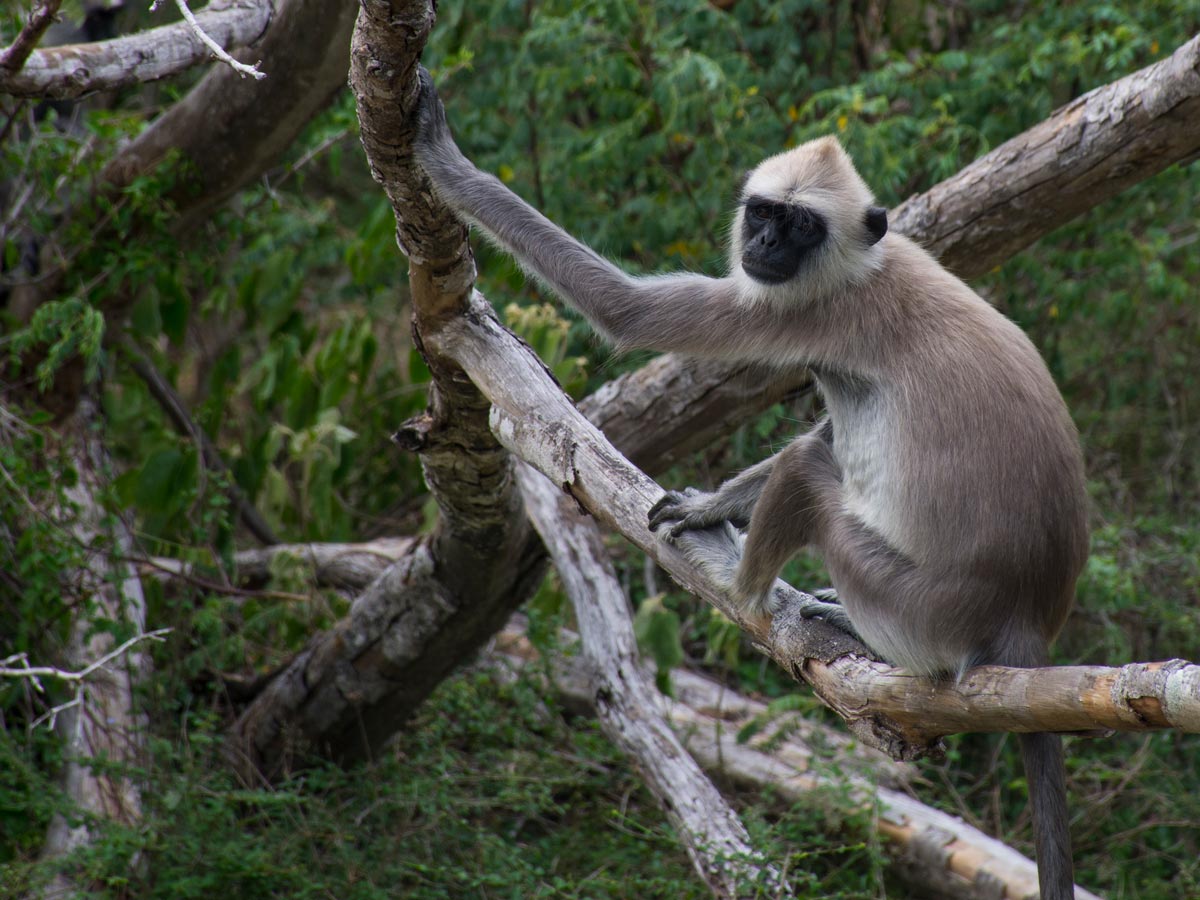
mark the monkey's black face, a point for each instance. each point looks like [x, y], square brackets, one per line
[776, 238]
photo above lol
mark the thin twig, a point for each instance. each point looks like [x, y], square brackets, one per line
[14, 56]
[213, 586]
[217, 50]
[176, 410]
[34, 673]
[50, 716]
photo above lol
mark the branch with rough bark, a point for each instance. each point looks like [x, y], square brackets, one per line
[347, 691]
[1084, 153]
[73, 70]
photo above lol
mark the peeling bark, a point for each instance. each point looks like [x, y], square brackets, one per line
[352, 687]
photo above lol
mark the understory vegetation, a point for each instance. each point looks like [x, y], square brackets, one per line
[283, 324]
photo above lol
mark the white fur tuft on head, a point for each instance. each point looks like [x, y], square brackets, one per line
[820, 175]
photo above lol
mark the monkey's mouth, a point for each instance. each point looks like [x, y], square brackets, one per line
[765, 273]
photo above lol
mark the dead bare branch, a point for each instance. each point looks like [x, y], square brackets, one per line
[216, 49]
[935, 854]
[631, 708]
[350, 566]
[73, 70]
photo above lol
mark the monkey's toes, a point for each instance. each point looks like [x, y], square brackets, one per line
[833, 613]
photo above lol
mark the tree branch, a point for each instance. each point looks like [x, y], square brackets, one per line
[1083, 154]
[13, 57]
[73, 70]
[172, 404]
[349, 566]
[230, 129]
[631, 708]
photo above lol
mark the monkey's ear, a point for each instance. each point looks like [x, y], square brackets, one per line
[876, 222]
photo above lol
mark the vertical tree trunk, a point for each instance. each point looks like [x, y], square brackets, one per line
[106, 725]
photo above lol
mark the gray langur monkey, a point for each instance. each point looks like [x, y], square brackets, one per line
[945, 489]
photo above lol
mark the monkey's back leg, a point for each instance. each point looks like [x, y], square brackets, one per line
[927, 621]
[930, 621]
[804, 484]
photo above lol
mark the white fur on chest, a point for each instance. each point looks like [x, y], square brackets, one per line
[863, 446]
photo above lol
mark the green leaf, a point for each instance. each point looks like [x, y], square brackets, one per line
[158, 481]
[657, 631]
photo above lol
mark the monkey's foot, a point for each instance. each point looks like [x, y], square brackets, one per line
[816, 606]
[689, 509]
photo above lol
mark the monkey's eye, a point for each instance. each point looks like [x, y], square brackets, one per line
[759, 213]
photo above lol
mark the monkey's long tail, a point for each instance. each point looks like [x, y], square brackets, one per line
[1046, 773]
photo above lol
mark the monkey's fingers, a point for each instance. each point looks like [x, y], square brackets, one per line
[431, 115]
[668, 509]
[689, 523]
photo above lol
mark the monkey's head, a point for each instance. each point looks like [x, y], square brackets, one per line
[806, 222]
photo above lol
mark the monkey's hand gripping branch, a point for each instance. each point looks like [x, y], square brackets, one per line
[717, 549]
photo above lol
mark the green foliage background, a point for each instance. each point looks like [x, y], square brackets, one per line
[283, 324]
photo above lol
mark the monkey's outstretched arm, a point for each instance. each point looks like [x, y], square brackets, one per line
[689, 313]
[733, 502]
